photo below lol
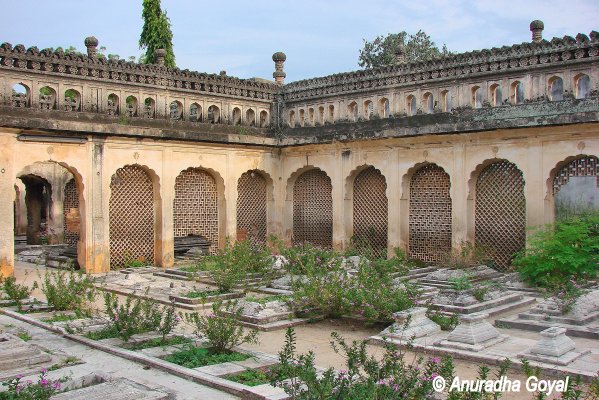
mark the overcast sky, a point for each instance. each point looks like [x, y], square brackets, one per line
[319, 37]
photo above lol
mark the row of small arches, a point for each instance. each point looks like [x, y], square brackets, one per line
[72, 102]
[428, 104]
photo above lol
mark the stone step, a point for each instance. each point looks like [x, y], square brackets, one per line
[113, 390]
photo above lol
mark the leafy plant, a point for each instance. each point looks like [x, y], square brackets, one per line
[16, 292]
[461, 284]
[156, 33]
[480, 292]
[133, 316]
[43, 389]
[24, 335]
[69, 291]
[193, 357]
[221, 328]
[447, 323]
[157, 342]
[468, 255]
[251, 377]
[168, 322]
[567, 251]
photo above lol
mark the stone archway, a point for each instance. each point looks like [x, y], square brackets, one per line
[500, 212]
[252, 207]
[370, 210]
[575, 186]
[313, 209]
[430, 216]
[132, 216]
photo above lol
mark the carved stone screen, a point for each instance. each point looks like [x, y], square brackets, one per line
[370, 210]
[576, 187]
[131, 216]
[195, 208]
[71, 213]
[313, 209]
[251, 206]
[430, 214]
[500, 212]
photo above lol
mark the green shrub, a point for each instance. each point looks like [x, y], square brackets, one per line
[305, 258]
[221, 328]
[69, 291]
[447, 323]
[567, 251]
[43, 389]
[133, 316]
[16, 292]
[194, 357]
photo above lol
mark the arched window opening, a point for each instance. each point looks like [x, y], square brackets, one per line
[446, 96]
[321, 115]
[292, 119]
[477, 97]
[175, 110]
[302, 117]
[517, 95]
[20, 95]
[428, 103]
[411, 105]
[149, 108]
[352, 111]
[263, 119]
[213, 114]
[311, 116]
[131, 106]
[576, 187]
[556, 89]
[250, 117]
[195, 113]
[583, 86]
[331, 117]
[47, 98]
[368, 109]
[384, 110]
[112, 105]
[496, 96]
[72, 100]
[236, 116]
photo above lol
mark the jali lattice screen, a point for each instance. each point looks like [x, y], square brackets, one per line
[585, 166]
[500, 212]
[251, 206]
[131, 216]
[430, 214]
[70, 202]
[370, 210]
[313, 209]
[195, 208]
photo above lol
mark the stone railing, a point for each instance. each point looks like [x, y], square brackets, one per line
[520, 57]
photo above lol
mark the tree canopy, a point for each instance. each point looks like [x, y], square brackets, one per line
[156, 33]
[381, 51]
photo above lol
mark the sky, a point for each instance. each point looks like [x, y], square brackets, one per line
[319, 37]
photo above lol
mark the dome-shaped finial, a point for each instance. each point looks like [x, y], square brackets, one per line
[536, 27]
[159, 55]
[279, 58]
[92, 44]
[400, 53]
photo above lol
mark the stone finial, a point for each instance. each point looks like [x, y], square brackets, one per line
[536, 27]
[92, 44]
[159, 55]
[279, 58]
[400, 54]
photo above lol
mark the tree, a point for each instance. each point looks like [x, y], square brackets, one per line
[156, 33]
[381, 51]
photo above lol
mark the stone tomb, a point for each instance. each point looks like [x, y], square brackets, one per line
[268, 316]
[554, 347]
[411, 323]
[113, 390]
[473, 333]
[17, 356]
[582, 320]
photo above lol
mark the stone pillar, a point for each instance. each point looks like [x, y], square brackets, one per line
[459, 197]
[97, 245]
[279, 75]
[534, 188]
[536, 27]
[168, 196]
[91, 43]
[7, 196]
[337, 180]
[21, 208]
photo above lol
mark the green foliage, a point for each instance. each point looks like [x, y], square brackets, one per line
[556, 255]
[304, 258]
[381, 51]
[364, 376]
[266, 299]
[133, 316]
[156, 33]
[24, 335]
[70, 290]
[221, 328]
[251, 377]
[447, 323]
[201, 294]
[461, 283]
[157, 342]
[132, 262]
[16, 292]
[235, 262]
[43, 389]
[193, 357]
[574, 391]
[168, 321]
[60, 318]
[468, 255]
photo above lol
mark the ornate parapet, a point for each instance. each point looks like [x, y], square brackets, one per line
[71, 82]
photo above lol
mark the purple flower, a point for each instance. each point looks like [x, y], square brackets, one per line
[56, 385]
[44, 382]
[435, 360]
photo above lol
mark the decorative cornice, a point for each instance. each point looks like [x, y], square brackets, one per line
[120, 71]
[519, 57]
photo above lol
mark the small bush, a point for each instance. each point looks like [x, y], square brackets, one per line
[16, 292]
[567, 251]
[194, 357]
[133, 316]
[43, 389]
[69, 291]
[447, 323]
[221, 328]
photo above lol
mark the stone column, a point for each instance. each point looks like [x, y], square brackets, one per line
[459, 196]
[534, 187]
[21, 215]
[7, 195]
[97, 245]
[337, 180]
[168, 196]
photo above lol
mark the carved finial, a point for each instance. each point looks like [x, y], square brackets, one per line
[92, 44]
[159, 55]
[400, 54]
[536, 27]
[279, 58]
